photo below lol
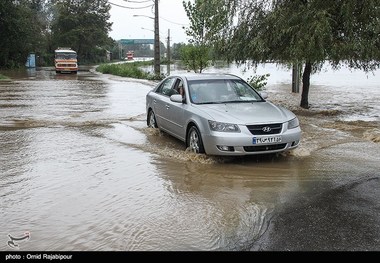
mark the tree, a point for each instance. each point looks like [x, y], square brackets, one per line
[205, 24]
[21, 31]
[175, 50]
[41, 30]
[196, 58]
[82, 25]
[308, 32]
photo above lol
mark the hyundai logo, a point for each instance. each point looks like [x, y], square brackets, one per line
[266, 129]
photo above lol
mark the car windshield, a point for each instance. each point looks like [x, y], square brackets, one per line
[215, 91]
[62, 55]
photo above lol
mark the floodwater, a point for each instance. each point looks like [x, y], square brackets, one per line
[81, 171]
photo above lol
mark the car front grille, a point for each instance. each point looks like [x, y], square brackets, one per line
[265, 129]
[264, 148]
[66, 65]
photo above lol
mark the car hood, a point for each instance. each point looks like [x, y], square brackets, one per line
[247, 113]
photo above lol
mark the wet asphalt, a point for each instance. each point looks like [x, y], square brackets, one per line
[345, 218]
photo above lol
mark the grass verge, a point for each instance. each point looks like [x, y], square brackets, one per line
[130, 69]
[3, 77]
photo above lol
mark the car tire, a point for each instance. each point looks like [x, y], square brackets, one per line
[194, 140]
[152, 120]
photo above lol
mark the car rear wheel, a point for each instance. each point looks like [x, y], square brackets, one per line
[152, 120]
[194, 140]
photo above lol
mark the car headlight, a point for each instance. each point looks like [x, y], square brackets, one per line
[223, 127]
[294, 123]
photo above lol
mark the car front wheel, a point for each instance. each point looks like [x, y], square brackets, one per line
[152, 120]
[194, 140]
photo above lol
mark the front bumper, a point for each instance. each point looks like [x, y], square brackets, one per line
[235, 144]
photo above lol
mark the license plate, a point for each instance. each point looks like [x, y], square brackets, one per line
[262, 140]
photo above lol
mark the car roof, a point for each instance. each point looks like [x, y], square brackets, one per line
[64, 51]
[205, 76]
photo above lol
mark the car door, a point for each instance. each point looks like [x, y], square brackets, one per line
[160, 102]
[175, 113]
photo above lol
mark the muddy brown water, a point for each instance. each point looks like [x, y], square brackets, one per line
[81, 171]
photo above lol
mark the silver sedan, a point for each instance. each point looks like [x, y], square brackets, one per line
[220, 114]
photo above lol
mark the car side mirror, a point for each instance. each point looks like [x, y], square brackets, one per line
[264, 95]
[176, 98]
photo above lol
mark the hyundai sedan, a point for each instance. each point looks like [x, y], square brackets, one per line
[220, 114]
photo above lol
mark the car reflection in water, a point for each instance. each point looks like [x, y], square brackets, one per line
[220, 114]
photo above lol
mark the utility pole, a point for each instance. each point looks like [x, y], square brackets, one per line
[168, 50]
[120, 50]
[157, 62]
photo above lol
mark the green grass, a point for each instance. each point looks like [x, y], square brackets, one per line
[131, 70]
[3, 77]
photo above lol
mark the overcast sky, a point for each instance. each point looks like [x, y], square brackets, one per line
[172, 16]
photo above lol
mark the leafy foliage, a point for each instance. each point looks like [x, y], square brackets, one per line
[205, 28]
[258, 81]
[206, 20]
[21, 31]
[40, 26]
[196, 58]
[176, 50]
[82, 25]
[309, 32]
[132, 70]
[2, 77]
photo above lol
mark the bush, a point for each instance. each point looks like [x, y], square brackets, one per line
[258, 81]
[3, 77]
[130, 70]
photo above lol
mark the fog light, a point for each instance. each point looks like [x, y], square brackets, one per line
[295, 143]
[225, 148]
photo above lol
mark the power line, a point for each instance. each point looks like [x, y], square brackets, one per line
[138, 2]
[173, 22]
[128, 7]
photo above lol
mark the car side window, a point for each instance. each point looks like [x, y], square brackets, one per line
[166, 87]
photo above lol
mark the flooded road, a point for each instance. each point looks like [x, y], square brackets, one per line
[81, 171]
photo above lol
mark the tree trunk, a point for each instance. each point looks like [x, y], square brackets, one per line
[306, 85]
